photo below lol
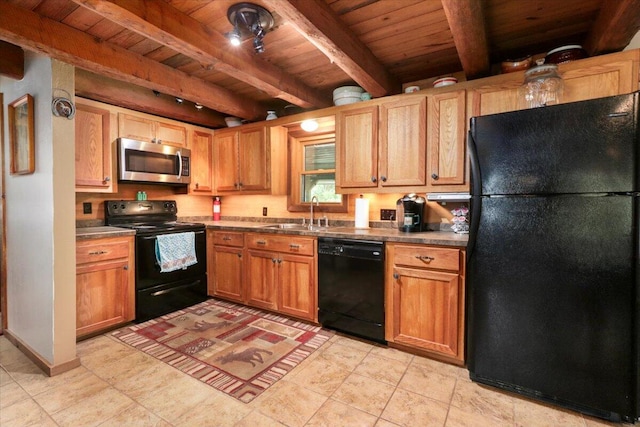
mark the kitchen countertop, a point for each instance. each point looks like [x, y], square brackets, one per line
[441, 238]
[85, 233]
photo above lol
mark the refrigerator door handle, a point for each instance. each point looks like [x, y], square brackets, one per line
[475, 203]
[476, 180]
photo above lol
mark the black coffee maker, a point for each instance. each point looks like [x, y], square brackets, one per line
[410, 213]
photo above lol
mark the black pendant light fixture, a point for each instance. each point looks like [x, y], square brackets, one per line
[249, 19]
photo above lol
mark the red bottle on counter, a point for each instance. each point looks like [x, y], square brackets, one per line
[216, 208]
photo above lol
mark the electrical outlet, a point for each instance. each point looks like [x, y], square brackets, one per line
[86, 207]
[264, 211]
[387, 214]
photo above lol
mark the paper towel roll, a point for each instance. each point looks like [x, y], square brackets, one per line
[362, 213]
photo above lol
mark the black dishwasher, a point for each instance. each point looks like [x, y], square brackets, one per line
[351, 287]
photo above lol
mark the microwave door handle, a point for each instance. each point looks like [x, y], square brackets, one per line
[179, 165]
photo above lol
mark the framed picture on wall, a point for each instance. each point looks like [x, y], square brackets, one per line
[21, 136]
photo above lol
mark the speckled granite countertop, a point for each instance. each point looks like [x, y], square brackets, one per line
[442, 238]
[85, 233]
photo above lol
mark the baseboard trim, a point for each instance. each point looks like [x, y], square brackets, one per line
[46, 367]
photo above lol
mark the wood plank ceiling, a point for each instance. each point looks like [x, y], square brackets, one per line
[126, 49]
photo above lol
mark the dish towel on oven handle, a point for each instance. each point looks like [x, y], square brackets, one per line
[175, 251]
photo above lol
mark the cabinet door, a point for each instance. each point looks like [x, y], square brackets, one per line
[403, 145]
[357, 148]
[201, 162]
[170, 133]
[93, 149]
[254, 160]
[447, 140]
[225, 149]
[260, 268]
[296, 286]
[136, 127]
[226, 273]
[425, 310]
[103, 297]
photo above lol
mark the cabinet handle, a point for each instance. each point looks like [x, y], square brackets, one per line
[425, 258]
[374, 179]
[107, 178]
[396, 276]
[435, 176]
[226, 238]
[261, 242]
[97, 252]
[383, 178]
[294, 246]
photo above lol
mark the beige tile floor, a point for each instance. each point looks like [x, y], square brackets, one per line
[345, 383]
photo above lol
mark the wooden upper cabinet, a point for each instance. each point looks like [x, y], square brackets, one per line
[225, 151]
[251, 159]
[357, 148]
[95, 165]
[147, 129]
[590, 78]
[403, 146]
[201, 162]
[254, 161]
[446, 141]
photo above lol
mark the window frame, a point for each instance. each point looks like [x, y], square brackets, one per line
[296, 170]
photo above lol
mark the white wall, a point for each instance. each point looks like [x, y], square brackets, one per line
[40, 241]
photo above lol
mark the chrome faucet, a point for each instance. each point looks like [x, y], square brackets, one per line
[317, 204]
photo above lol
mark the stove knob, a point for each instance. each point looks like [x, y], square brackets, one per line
[122, 206]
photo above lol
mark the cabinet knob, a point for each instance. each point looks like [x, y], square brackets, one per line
[279, 261]
[107, 178]
[383, 178]
[239, 255]
[197, 185]
[396, 276]
[435, 176]
[374, 179]
[273, 260]
[126, 267]
[240, 184]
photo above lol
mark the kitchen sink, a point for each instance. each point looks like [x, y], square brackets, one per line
[294, 226]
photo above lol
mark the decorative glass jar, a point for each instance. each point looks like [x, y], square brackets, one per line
[542, 86]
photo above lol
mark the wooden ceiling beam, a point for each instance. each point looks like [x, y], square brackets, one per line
[11, 61]
[615, 26]
[166, 25]
[115, 92]
[466, 21]
[315, 20]
[34, 32]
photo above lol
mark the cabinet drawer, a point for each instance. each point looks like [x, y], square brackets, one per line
[226, 238]
[285, 244]
[100, 251]
[427, 257]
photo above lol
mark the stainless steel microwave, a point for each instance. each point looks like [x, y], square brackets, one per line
[140, 161]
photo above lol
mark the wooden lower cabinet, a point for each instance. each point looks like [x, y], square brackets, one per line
[225, 265]
[105, 284]
[281, 274]
[425, 299]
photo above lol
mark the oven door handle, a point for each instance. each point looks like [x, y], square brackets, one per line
[179, 164]
[155, 235]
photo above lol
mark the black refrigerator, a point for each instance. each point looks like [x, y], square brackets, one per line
[553, 266]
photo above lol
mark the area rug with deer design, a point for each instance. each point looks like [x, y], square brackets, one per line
[238, 350]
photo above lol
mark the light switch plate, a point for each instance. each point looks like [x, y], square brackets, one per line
[86, 207]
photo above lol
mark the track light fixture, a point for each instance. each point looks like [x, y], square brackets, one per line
[249, 19]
